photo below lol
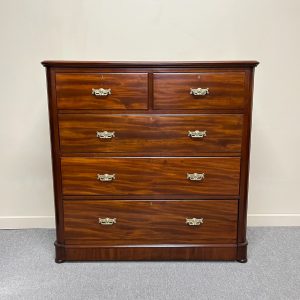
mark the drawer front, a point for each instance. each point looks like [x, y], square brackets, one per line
[219, 90]
[102, 90]
[160, 135]
[150, 222]
[150, 176]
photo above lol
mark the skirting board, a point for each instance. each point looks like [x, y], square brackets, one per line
[20, 222]
[273, 220]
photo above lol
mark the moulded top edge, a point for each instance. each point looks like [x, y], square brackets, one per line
[149, 64]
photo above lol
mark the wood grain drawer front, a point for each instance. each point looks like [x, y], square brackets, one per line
[150, 222]
[226, 90]
[160, 135]
[150, 176]
[125, 90]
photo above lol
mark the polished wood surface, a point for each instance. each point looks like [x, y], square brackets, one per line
[226, 90]
[54, 136]
[150, 176]
[207, 252]
[65, 64]
[150, 109]
[150, 222]
[128, 90]
[142, 133]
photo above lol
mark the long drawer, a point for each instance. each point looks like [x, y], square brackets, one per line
[157, 134]
[102, 90]
[150, 176]
[150, 222]
[206, 90]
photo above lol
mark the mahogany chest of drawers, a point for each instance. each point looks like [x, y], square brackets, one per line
[150, 159]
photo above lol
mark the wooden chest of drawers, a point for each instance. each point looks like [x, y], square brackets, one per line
[150, 159]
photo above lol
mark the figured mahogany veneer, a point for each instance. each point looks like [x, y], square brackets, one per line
[141, 133]
[150, 222]
[128, 91]
[227, 90]
[125, 136]
[150, 176]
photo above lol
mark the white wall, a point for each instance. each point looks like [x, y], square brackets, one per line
[34, 30]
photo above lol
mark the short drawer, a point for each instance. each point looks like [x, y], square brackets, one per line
[102, 90]
[150, 176]
[209, 90]
[150, 222]
[154, 134]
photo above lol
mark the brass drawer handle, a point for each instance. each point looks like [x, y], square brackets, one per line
[197, 134]
[194, 221]
[106, 177]
[195, 176]
[107, 221]
[101, 92]
[105, 134]
[199, 92]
